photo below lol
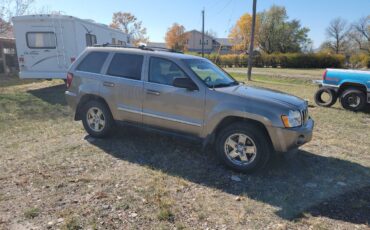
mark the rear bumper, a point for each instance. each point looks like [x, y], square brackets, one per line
[285, 140]
[321, 83]
[71, 99]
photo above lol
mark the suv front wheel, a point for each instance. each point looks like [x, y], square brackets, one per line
[243, 147]
[97, 119]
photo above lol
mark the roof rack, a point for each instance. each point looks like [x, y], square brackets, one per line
[142, 47]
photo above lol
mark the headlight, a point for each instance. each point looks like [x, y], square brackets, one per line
[293, 119]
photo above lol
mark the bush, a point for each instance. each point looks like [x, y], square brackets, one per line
[288, 60]
[360, 61]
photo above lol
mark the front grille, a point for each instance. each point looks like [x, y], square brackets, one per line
[305, 116]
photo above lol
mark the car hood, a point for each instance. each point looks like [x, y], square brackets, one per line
[259, 93]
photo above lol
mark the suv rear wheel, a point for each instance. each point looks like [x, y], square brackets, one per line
[97, 119]
[243, 147]
[353, 99]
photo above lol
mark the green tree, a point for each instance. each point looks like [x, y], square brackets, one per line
[278, 34]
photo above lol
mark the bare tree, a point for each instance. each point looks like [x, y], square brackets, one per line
[360, 34]
[337, 34]
[9, 9]
[130, 25]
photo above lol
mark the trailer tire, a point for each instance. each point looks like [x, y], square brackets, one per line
[353, 100]
[332, 97]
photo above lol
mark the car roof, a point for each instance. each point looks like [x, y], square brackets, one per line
[166, 54]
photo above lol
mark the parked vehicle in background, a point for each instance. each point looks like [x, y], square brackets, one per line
[189, 96]
[352, 87]
[48, 44]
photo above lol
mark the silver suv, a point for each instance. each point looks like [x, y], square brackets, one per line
[187, 95]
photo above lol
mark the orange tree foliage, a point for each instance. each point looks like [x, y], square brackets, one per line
[240, 34]
[176, 38]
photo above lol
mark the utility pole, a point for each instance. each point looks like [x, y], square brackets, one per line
[203, 32]
[251, 47]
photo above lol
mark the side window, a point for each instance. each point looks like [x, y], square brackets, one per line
[41, 40]
[163, 71]
[91, 40]
[126, 66]
[93, 62]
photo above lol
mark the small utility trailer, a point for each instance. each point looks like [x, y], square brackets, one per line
[352, 87]
[48, 44]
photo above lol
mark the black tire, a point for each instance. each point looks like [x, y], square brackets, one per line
[257, 135]
[348, 98]
[332, 94]
[106, 116]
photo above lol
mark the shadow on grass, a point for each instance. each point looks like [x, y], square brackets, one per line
[296, 183]
[53, 95]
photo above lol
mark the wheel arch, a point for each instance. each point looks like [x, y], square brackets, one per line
[86, 98]
[226, 121]
[356, 85]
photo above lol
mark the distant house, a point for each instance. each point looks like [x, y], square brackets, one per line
[222, 45]
[211, 45]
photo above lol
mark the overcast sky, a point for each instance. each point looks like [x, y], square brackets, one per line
[158, 15]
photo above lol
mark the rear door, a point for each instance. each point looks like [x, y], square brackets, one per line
[168, 107]
[41, 50]
[123, 86]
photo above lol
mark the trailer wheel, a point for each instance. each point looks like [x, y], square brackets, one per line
[353, 100]
[325, 97]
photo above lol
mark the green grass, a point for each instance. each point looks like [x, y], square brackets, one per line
[272, 79]
[279, 72]
[32, 213]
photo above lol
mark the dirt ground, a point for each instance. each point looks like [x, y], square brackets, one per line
[55, 176]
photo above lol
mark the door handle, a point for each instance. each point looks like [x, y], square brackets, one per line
[108, 84]
[153, 92]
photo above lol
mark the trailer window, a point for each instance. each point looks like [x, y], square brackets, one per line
[93, 62]
[91, 40]
[41, 40]
[121, 43]
[126, 66]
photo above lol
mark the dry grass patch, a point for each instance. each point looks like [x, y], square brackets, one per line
[138, 180]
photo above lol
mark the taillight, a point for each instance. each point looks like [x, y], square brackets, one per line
[324, 75]
[69, 80]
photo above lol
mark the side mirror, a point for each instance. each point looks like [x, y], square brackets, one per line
[184, 82]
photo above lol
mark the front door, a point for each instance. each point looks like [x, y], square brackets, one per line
[169, 107]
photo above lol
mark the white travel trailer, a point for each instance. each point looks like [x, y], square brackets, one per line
[48, 44]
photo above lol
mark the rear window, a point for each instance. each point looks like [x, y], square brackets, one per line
[41, 40]
[93, 62]
[126, 65]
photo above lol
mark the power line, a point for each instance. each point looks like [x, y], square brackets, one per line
[226, 5]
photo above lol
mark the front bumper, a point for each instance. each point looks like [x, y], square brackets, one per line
[287, 139]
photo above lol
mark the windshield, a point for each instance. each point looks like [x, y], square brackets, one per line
[210, 74]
